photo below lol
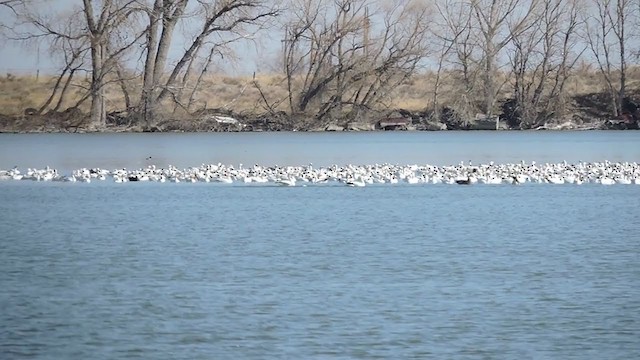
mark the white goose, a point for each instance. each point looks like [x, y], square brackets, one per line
[555, 179]
[607, 181]
[291, 181]
[356, 182]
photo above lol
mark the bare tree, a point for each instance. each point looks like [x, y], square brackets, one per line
[497, 22]
[99, 28]
[395, 53]
[460, 53]
[608, 33]
[163, 17]
[220, 22]
[105, 21]
[74, 54]
[64, 36]
[541, 59]
[337, 64]
[103, 33]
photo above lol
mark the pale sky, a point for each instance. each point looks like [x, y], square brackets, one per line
[15, 58]
[22, 58]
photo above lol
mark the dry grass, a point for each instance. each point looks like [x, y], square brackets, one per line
[239, 93]
[20, 93]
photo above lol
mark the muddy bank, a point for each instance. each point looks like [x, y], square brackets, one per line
[227, 121]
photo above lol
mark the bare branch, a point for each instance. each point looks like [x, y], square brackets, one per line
[225, 17]
[12, 5]
[541, 57]
[337, 65]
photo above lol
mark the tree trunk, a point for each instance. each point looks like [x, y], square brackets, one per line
[96, 33]
[489, 80]
[147, 99]
[55, 90]
[64, 89]
[180, 65]
[623, 64]
[98, 110]
[123, 87]
[168, 25]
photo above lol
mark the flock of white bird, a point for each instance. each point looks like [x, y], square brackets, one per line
[605, 173]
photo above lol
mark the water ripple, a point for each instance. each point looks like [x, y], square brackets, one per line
[200, 272]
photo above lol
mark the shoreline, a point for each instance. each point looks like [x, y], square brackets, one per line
[129, 131]
[116, 129]
[230, 121]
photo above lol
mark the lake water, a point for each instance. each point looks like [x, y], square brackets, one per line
[71, 151]
[205, 271]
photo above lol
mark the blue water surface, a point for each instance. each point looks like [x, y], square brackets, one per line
[204, 271]
[66, 152]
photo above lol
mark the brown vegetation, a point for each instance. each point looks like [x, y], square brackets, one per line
[345, 64]
[239, 96]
